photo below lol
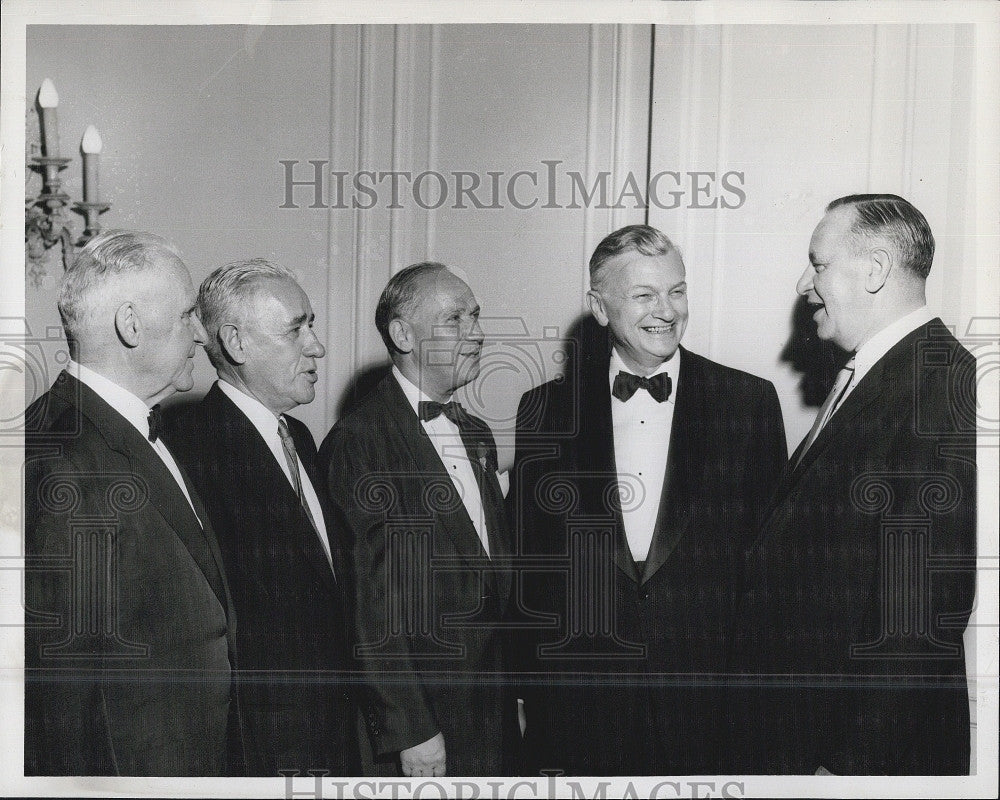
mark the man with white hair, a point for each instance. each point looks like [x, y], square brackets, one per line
[130, 637]
[256, 467]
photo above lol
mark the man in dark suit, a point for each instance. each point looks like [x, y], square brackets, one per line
[638, 480]
[862, 578]
[129, 639]
[256, 468]
[415, 477]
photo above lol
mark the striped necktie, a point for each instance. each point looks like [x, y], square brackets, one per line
[293, 467]
[829, 406]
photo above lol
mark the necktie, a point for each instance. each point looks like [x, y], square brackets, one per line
[626, 384]
[155, 423]
[293, 467]
[829, 406]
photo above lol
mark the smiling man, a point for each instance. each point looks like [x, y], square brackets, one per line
[862, 579]
[639, 478]
[256, 467]
[129, 626]
[415, 478]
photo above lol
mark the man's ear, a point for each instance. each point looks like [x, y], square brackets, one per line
[401, 335]
[596, 303]
[879, 267]
[232, 343]
[127, 324]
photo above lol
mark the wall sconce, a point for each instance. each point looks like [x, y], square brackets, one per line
[45, 221]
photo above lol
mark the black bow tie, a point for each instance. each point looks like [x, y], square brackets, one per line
[429, 409]
[626, 385]
[155, 423]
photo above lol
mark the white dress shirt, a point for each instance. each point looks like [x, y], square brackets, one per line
[266, 423]
[642, 429]
[882, 342]
[135, 412]
[447, 442]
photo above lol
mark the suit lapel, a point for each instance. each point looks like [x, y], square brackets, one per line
[868, 391]
[597, 455]
[242, 442]
[686, 451]
[498, 531]
[165, 496]
[305, 447]
[401, 418]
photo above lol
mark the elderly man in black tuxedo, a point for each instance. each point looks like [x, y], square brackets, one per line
[130, 629]
[255, 465]
[639, 478]
[862, 579]
[415, 478]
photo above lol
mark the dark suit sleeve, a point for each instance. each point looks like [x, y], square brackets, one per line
[523, 640]
[399, 714]
[65, 731]
[769, 451]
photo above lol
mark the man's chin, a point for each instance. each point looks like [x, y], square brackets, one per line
[305, 396]
[660, 355]
[467, 375]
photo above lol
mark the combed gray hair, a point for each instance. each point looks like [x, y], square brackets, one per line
[898, 221]
[111, 254]
[642, 239]
[226, 294]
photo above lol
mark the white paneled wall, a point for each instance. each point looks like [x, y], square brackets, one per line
[807, 114]
[480, 99]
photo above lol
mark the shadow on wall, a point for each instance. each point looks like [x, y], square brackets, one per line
[361, 384]
[817, 361]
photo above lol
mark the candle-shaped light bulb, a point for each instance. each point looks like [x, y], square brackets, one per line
[91, 147]
[91, 140]
[48, 99]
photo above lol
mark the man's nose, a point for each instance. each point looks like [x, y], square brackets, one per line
[476, 333]
[314, 347]
[664, 308]
[200, 334]
[805, 284]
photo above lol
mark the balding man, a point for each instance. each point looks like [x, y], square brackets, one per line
[863, 576]
[130, 632]
[415, 478]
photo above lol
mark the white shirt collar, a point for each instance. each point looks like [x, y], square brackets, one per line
[262, 418]
[414, 394]
[135, 411]
[671, 367]
[882, 342]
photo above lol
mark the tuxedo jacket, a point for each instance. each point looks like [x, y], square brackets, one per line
[130, 628]
[624, 675]
[862, 579]
[292, 640]
[428, 600]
